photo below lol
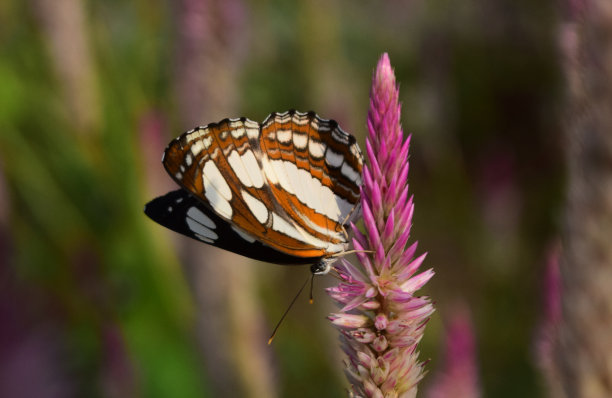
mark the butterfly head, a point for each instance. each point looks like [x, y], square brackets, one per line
[323, 266]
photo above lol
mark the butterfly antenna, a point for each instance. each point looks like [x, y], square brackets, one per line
[311, 300]
[286, 312]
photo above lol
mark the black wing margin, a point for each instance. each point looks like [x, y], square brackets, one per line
[183, 213]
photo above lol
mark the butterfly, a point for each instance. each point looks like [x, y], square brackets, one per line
[281, 191]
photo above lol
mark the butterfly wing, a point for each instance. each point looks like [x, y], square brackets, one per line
[221, 164]
[313, 169]
[183, 213]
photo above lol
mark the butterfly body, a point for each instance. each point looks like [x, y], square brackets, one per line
[280, 191]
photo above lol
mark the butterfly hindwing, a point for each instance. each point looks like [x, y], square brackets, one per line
[307, 157]
[183, 213]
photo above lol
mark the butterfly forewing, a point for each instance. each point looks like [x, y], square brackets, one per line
[290, 183]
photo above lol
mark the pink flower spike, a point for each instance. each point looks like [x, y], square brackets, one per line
[381, 320]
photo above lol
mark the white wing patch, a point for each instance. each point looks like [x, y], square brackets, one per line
[309, 190]
[332, 158]
[349, 172]
[252, 167]
[316, 148]
[216, 189]
[281, 225]
[201, 225]
[257, 207]
[243, 234]
[200, 217]
[238, 167]
[283, 136]
[300, 140]
[278, 174]
[238, 131]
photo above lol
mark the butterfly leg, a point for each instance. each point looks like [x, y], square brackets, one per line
[348, 217]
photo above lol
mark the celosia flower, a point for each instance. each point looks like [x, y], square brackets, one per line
[381, 321]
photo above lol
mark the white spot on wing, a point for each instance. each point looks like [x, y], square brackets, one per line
[281, 225]
[268, 170]
[197, 147]
[238, 167]
[283, 136]
[252, 133]
[238, 131]
[211, 171]
[332, 158]
[283, 117]
[279, 174]
[300, 118]
[324, 127]
[340, 136]
[300, 140]
[204, 238]
[316, 148]
[195, 134]
[243, 234]
[259, 210]
[201, 225]
[200, 217]
[252, 167]
[308, 189]
[216, 189]
[349, 172]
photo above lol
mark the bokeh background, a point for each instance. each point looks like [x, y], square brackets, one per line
[98, 301]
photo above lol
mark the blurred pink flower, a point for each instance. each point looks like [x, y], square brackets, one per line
[459, 377]
[546, 337]
[381, 321]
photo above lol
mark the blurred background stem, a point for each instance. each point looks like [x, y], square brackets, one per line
[66, 31]
[231, 334]
[584, 352]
